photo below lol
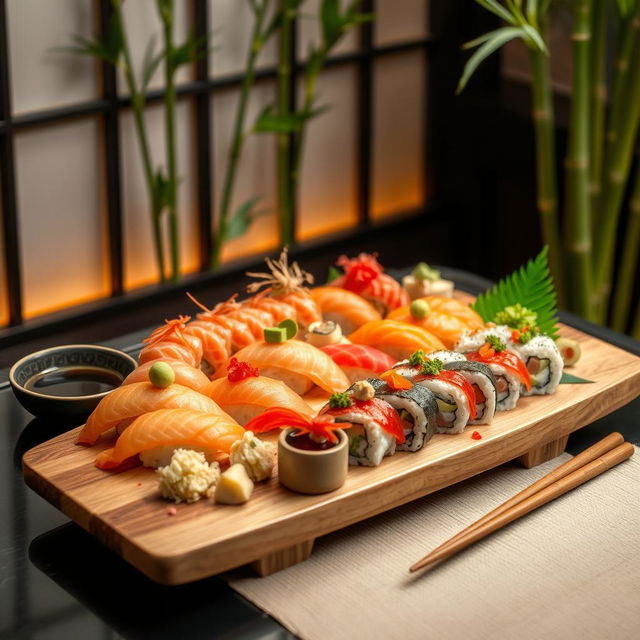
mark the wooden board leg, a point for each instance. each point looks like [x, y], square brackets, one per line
[284, 558]
[545, 452]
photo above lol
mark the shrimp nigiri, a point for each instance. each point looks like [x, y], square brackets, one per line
[398, 339]
[344, 307]
[132, 400]
[186, 375]
[156, 434]
[286, 284]
[364, 275]
[298, 364]
[170, 342]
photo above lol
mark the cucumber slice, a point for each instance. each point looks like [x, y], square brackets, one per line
[445, 407]
[290, 326]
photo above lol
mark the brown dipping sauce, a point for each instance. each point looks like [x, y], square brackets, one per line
[305, 443]
[67, 382]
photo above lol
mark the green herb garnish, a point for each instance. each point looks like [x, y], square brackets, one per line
[423, 271]
[417, 359]
[340, 400]
[432, 367]
[532, 287]
[516, 316]
[526, 336]
[496, 344]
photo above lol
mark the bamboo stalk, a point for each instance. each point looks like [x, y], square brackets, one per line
[629, 262]
[618, 167]
[598, 100]
[170, 114]
[543, 118]
[578, 203]
[285, 200]
[137, 106]
[238, 138]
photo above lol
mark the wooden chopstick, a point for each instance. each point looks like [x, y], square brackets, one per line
[585, 466]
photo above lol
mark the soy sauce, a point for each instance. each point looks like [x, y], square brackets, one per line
[74, 381]
[305, 443]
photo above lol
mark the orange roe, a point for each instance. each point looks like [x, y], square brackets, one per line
[237, 370]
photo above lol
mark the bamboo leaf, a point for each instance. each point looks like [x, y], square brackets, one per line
[499, 38]
[625, 7]
[241, 219]
[531, 286]
[333, 274]
[535, 37]
[497, 9]
[150, 63]
[330, 21]
[569, 378]
[271, 122]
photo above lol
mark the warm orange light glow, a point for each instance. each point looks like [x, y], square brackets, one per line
[62, 297]
[322, 227]
[403, 194]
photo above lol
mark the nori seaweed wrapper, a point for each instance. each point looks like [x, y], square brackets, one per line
[470, 365]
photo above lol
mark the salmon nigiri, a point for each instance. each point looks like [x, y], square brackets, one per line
[346, 308]
[398, 339]
[286, 284]
[132, 400]
[278, 309]
[298, 364]
[156, 434]
[170, 342]
[186, 375]
[364, 276]
[216, 343]
[252, 395]
[454, 307]
[446, 327]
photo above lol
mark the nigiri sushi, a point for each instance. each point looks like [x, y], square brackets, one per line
[446, 327]
[278, 309]
[346, 308]
[364, 275]
[397, 339]
[359, 361]
[251, 396]
[155, 435]
[186, 375]
[132, 400]
[454, 307]
[286, 284]
[216, 343]
[298, 364]
[170, 342]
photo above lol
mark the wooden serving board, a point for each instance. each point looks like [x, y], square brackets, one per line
[276, 528]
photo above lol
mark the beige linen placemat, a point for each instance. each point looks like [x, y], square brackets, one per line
[571, 569]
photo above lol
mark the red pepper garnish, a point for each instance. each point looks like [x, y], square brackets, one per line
[486, 350]
[275, 418]
[360, 271]
[237, 370]
[507, 359]
[459, 381]
[515, 336]
[395, 380]
[476, 436]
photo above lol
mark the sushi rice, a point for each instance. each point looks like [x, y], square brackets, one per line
[479, 376]
[544, 363]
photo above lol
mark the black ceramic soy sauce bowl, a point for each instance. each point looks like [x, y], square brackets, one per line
[68, 381]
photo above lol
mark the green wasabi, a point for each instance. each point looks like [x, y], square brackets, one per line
[161, 375]
[275, 335]
[517, 317]
[423, 271]
[419, 309]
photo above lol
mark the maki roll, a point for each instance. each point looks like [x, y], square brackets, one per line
[543, 362]
[417, 409]
[507, 367]
[483, 382]
[375, 426]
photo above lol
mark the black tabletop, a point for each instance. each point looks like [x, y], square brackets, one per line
[57, 581]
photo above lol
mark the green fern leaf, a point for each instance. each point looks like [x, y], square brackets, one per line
[532, 287]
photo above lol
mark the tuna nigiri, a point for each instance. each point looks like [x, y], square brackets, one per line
[170, 342]
[454, 307]
[298, 364]
[186, 375]
[398, 339]
[364, 275]
[447, 328]
[251, 396]
[286, 284]
[359, 361]
[156, 434]
[132, 400]
[346, 308]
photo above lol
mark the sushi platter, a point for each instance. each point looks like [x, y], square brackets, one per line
[170, 400]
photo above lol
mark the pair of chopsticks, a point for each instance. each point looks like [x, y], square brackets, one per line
[593, 461]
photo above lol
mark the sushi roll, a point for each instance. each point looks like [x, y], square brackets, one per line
[359, 361]
[507, 367]
[483, 382]
[375, 426]
[544, 364]
[417, 409]
[473, 340]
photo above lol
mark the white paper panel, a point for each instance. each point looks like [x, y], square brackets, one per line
[398, 20]
[309, 30]
[328, 182]
[61, 227]
[256, 171]
[42, 78]
[231, 25]
[141, 23]
[399, 113]
[140, 260]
